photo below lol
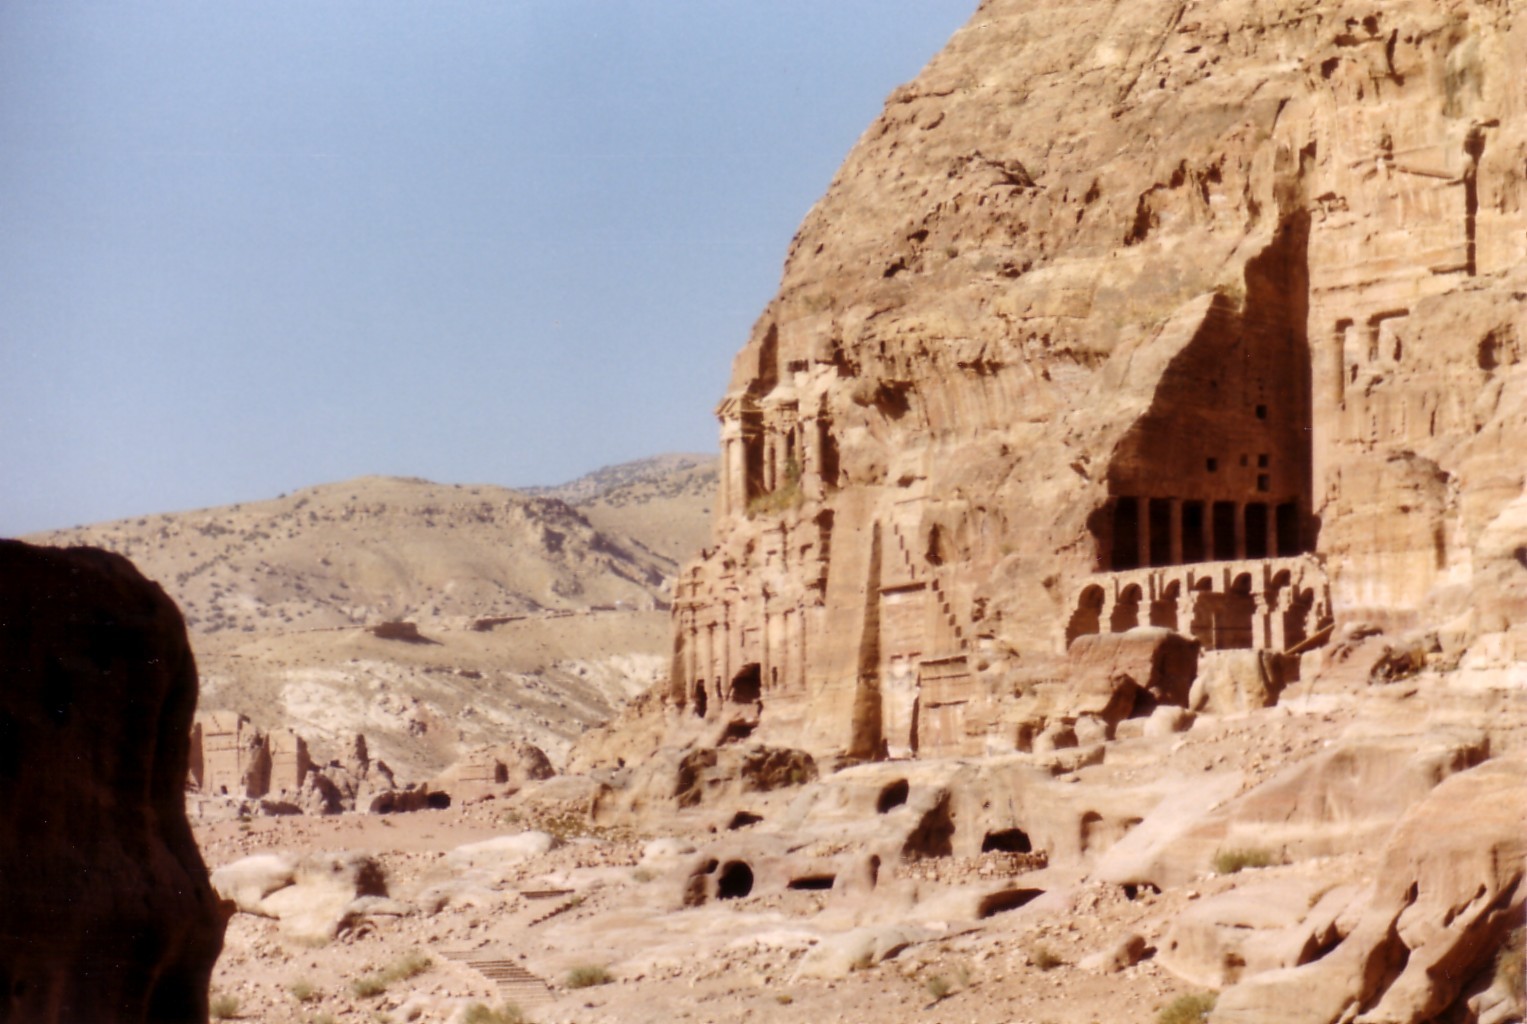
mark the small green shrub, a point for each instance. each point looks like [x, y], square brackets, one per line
[223, 1006]
[587, 976]
[1045, 958]
[1228, 862]
[509, 1013]
[410, 966]
[1191, 1009]
[939, 987]
[369, 986]
[303, 991]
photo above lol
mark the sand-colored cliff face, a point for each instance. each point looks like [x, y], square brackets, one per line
[1204, 316]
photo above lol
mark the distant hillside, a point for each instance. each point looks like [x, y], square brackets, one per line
[378, 548]
[663, 502]
[542, 618]
[668, 474]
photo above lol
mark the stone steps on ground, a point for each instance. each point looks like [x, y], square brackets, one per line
[515, 983]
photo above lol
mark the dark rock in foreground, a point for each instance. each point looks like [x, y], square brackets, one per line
[107, 914]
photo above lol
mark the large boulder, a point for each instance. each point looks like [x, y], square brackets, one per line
[315, 897]
[107, 913]
[1449, 889]
[1116, 675]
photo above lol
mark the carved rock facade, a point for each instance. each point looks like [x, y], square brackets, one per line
[1204, 317]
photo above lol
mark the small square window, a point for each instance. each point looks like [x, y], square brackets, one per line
[1262, 482]
[1261, 412]
[1245, 460]
[1262, 461]
[1212, 465]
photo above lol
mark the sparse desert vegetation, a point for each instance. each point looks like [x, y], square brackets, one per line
[1188, 1009]
[1228, 862]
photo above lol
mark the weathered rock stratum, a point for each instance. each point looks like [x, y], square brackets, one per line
[1206, 317]
[107, 915]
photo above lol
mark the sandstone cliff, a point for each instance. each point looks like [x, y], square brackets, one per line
[1200, 316]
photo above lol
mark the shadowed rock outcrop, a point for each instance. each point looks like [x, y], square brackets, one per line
[107, 914]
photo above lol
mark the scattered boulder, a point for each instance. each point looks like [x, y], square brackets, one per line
[1128, 951]
[1258, 927]
[315, 897]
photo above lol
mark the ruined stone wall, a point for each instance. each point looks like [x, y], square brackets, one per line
[1101, 293]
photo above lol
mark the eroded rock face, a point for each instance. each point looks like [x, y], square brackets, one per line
[107, 914]
[1201, 317]
[1449, 889]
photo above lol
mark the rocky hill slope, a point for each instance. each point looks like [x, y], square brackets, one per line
[538, 623]
[664, 502]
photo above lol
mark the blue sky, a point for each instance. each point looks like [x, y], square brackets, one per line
[248, 247]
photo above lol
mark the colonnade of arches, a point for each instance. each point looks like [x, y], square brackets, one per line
[1222, 610]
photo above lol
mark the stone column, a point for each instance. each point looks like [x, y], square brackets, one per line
[734, 469]
[771, 456]
[1240, 531]
[1207, 530]
[1143, 530]
[810, 459]
[1262, 622]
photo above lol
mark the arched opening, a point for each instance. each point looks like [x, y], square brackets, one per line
[1008, 840]
[1236, 610]
[500, 773]
[747, 684]
[1164, 608]
[437, 801]
[1297, 618]
[1088, 615]
[735, 881]
[893, 795]
[1202, 625]
[1126, 610]
[700, 700]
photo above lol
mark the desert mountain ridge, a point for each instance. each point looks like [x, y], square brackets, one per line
[545, 615]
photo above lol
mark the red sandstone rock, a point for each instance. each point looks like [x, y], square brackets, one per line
[107, 913]
[1205, 318]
